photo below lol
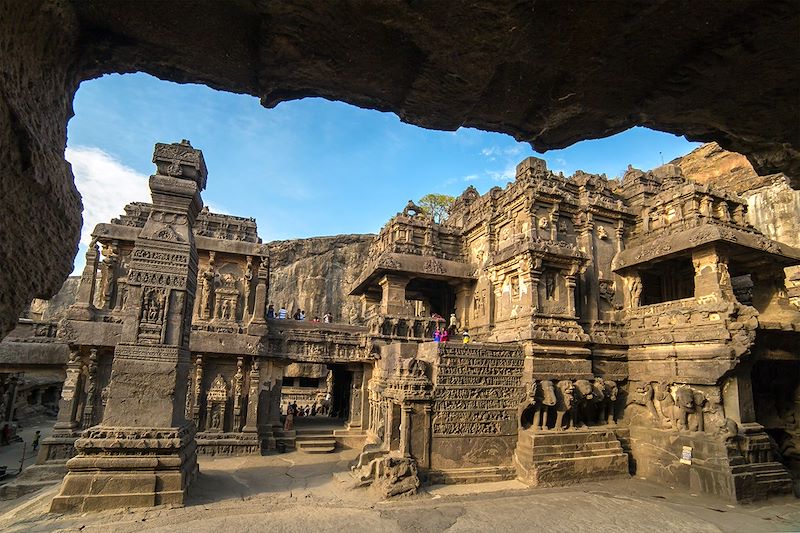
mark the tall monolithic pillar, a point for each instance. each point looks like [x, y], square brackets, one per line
[143, 453]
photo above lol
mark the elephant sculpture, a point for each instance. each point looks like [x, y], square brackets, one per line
[586, 399]
[565, 403]
[541, 398]
[607, 414]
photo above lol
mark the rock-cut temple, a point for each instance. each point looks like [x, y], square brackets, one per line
[617, 327]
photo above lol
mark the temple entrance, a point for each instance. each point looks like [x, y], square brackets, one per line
[776, 399]
[340, 396]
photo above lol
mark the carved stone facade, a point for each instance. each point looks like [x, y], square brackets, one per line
[635, 325]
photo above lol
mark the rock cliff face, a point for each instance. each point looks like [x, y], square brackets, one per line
[773, 206]
[315, 274]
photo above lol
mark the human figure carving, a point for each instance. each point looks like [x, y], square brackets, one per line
[636, 291]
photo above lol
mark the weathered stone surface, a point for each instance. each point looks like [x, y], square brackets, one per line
[315, 274]
[550, 74]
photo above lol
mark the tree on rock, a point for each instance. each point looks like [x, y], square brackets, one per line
[437, 206]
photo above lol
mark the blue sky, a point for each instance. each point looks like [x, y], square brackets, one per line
[306, 168]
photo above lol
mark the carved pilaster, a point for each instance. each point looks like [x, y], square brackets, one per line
[198, 390]
[251, 421]
[238, 385]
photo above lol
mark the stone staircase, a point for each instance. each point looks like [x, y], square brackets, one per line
[564, 457]
[285, 439]
[472, 475]
[315, 440]
[772, 478]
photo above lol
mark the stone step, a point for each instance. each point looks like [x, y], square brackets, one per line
[772, 478]
[567, 448]
[316, 445]
[535, 457]
[472, 475]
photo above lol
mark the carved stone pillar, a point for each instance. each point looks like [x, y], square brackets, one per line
[144, 452]
[253, 389]
[426, 443]
[91, 390]
[67, 420]
[570, 282]
[258, 324]
[711, 276]
[463, 292]
[394, 294]
[83, 308]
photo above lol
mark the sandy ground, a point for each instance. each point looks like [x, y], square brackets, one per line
[302, 492]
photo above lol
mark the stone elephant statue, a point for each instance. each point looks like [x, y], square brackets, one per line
[607, 413]
[541, 398]
[588, 396]
[565, 404]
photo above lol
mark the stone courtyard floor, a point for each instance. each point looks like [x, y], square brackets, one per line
[309, 493]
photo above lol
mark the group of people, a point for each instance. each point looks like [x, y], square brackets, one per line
[299, 314]
[442, 335]
[315, 409]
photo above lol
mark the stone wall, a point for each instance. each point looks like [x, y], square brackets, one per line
[315, 274]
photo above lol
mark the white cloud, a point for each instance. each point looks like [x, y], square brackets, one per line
[471, 177]
[491, 152]
[513, 150]
[106, 186]
[506, 174]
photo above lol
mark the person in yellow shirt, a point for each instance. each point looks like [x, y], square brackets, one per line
[466, 337]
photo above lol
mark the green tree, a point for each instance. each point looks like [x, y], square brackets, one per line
[437, 206]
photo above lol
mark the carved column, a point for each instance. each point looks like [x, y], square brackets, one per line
[144, 452]
[426, 443]
[591, 275]
[570, 282]
[258, 324]
[67, 420]
[91, 390]
[463, 292]
[83, 308]
[394, 294]
[405, 429]
[251, 420]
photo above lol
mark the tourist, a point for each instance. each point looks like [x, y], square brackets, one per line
[315, 319]
[466, 338]
[453, 326]
[302, 314]
[296, 315]
[271, 311]
[282, 313]
[5, 436]
[444, 335]
[288, 425]
[327, 318]
[437, 335]
[314, 410]
[36, 438]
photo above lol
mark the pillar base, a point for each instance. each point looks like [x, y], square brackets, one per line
[128, 467]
